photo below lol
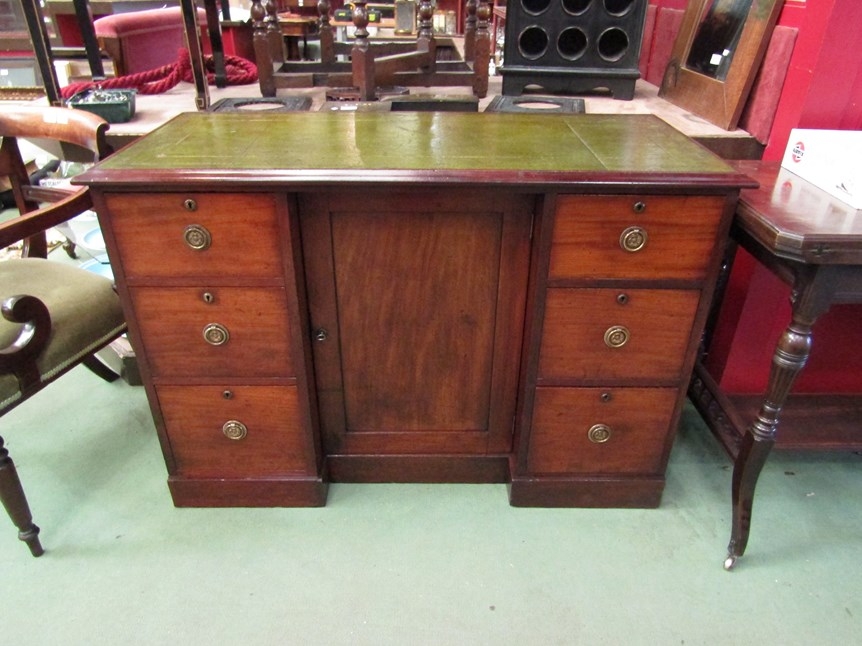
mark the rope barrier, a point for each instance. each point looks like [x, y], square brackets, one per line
[238, 71]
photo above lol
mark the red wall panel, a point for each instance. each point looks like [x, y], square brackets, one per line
[823, 89]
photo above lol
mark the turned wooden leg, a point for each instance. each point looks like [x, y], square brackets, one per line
[482, 50]
[262, 49]
[362, 58]
[746, 470]
[15, 502]
[789, 358]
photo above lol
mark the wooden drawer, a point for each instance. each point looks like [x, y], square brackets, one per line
[582, 327]
[275, 441]
[600, 430]
[172, 321]
[678, 235]
[151, 235]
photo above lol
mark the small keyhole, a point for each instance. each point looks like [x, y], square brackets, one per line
[320, 335]
[622, 299]
[208, 297]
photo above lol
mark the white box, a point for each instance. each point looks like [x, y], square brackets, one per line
[829, 159]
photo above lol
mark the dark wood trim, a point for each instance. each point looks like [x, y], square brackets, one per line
[586, 491]
[473, 469]
[219, 492]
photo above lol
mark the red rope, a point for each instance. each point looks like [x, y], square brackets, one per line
[238, 71]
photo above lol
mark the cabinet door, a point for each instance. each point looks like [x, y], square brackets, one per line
[417, 307]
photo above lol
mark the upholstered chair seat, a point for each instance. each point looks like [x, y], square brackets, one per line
[79, 326]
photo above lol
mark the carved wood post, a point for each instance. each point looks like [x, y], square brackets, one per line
[262, 53]
[426, 19]
[425, 40]
[273, 32]
[470, 30]
[482, 49]
[362, 56]
[324, 28]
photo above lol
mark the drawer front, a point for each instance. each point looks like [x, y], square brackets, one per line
[602, 431]
[196, 235]
[234, 432]
[222, 332]
[648, 237]
[605, 334]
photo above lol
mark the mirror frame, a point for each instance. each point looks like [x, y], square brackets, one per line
[719, 102]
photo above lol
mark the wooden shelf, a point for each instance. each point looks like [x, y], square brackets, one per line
[808, 421]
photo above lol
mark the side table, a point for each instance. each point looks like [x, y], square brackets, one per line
[813, 242]
[293, 28]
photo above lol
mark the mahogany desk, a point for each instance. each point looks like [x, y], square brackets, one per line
[813, 242]
[415, 297]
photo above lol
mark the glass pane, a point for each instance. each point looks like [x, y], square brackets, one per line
[717, 37]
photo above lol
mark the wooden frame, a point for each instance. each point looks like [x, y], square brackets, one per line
[715, 86]
[410, 62]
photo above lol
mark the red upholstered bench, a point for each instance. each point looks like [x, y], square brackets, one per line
[139, 41]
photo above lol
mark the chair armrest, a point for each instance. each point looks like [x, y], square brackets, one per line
[19, 357]
[48, 193]
[33, 222]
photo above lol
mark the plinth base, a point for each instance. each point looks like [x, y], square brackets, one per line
[620, 83]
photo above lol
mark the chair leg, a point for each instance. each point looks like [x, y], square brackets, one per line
[15, 502]
[100, 369]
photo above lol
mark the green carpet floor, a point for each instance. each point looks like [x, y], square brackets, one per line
[412, 564]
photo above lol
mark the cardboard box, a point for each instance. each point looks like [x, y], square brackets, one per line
[819, 209]
[829, 159]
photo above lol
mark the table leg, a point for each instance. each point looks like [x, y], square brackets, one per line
[810, 299]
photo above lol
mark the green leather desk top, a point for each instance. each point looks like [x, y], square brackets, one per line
[428, 147]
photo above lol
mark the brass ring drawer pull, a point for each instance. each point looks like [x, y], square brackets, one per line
[197, 237]
[633, 239]
[599, 433]
[234, 429]
[216, 334]
[617, 336]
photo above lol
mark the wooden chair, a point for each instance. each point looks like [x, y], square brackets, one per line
[55, 315]
[407, 62]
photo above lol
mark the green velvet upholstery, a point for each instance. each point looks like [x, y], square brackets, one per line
[85, 315]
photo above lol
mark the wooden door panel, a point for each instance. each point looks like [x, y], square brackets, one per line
[416, 330]
[419, 299]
